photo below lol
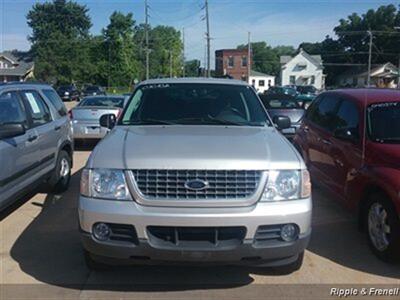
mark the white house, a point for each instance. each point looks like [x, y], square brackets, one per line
[15, 66]
[302, 69]
[260, 81]
[383, 76]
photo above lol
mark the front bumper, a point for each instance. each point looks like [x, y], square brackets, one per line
[273, 253]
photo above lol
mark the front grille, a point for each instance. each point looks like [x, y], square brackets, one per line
[170, 184]
[199, 238]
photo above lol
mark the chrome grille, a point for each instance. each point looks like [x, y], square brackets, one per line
[222, 184]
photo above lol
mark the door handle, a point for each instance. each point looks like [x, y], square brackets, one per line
[32, 138]
[326, 142]
[57, 128]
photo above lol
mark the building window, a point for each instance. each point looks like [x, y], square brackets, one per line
[292, 79]
[261, 83]
[269, 82]
[231, 62]
[312, 79]
[244, 61]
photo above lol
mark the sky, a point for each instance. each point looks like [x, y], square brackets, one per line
[287, 22]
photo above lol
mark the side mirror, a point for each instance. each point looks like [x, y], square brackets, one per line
[11, 130]
[108, 121]
[282, 122]
[347, 134]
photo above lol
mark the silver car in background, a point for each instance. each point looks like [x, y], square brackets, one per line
[86, 115]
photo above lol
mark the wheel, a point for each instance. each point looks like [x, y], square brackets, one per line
[383, 228]
[92, 264]
[59, 181]
[292, 267]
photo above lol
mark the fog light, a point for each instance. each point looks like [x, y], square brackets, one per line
[101, 231]
[289, 232]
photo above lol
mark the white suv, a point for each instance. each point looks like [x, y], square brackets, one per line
[194, 170]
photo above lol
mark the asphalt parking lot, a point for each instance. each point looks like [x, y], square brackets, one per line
[41, 254]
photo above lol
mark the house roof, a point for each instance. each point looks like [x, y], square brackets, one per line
[316, 59]
[259, 74]
[22, 63]
[363, 70]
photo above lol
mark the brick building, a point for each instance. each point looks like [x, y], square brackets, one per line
[232, 63]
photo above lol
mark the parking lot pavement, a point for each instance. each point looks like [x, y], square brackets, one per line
[41, 255]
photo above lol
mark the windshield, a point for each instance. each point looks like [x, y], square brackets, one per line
[195, 104]
[384, 122]
[307, 89]
[103, 101]
[92, 89]
[284, 103]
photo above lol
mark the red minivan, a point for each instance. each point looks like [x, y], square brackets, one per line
[350, 141]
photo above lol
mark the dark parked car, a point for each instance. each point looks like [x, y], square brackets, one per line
[278, 90]
[306, 94]
[35, 141]
[285, 105]
[68, 92]
[93, 90]
[350, 141]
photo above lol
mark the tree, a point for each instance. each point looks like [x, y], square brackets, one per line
[192, 68]
[352, 34]
[267, 59]
[120, 50]
[59, 31]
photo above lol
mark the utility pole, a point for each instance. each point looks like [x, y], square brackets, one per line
[208, 40]
[248, 58]
[183, 53]
[369, 58]
[170, 63]
[147, 37]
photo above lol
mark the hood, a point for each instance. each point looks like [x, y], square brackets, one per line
[295, 114]
[385, 154]
[195, 147]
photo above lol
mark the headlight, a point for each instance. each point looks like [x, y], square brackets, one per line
[287, 185]
[104, 184]
[66, 93]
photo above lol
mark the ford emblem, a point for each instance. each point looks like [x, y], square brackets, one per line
[196, 184]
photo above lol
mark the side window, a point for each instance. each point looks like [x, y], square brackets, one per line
[347, 116]
[56, 101]
[11, 109]
[323, 112]
[37, 108]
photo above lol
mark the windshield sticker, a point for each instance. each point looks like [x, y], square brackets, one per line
[382, 105]
[155, 86]
[33, 103]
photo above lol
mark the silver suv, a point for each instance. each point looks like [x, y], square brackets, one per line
[194, 170]
[35, 140]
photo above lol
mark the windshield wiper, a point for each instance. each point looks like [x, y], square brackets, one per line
[209, 119]
[149, 122]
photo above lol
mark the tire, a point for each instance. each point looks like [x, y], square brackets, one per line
[59, 181]
[383, 233]
[292, 267]
[92, 264]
